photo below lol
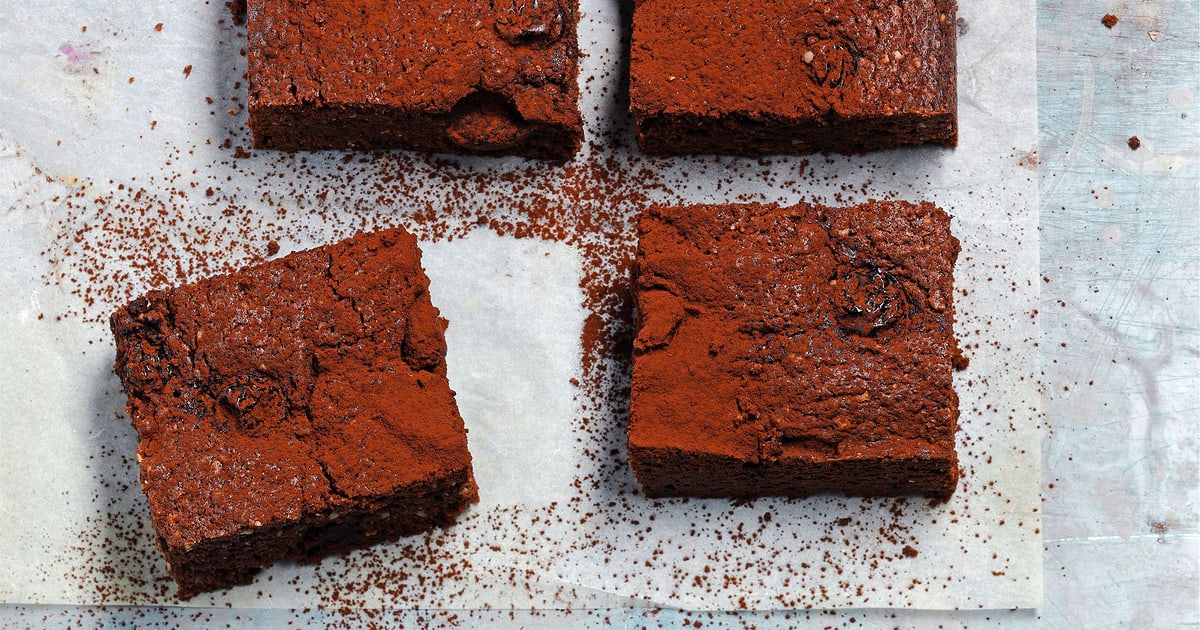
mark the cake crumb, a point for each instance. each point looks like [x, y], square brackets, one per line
[1109, 20]
[1135, 142]
[272, 247]
[910, 552]
[237, 8]
[960, 361]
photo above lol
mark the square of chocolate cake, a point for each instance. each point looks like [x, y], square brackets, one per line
[293, 409]
[794, 350]
[751, 77]
[459, 76]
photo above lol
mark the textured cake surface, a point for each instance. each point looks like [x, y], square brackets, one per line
[791, 351]
[459, 76]
[786, 76]
[293, 409]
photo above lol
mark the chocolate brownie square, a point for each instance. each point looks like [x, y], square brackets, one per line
[753, 77]
[493, 78]
[793, 351]
[292, 410]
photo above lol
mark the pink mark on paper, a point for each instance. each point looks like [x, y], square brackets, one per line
[72, 54]
[75, 56]
[77, 59]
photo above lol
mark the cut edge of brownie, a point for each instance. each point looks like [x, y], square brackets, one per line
[738, 134]
[236, 559]
[499, 130]
[672, 472]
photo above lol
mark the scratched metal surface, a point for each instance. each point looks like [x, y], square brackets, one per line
[1119, 312]
[1120, 317]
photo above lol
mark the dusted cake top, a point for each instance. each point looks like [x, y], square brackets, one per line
[290, 388]
[807, 333]
[793, 59]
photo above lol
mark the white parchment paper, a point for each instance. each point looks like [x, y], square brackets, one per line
[122, 126]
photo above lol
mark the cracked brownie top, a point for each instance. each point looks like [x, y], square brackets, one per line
[298, 386]
[811, 333]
